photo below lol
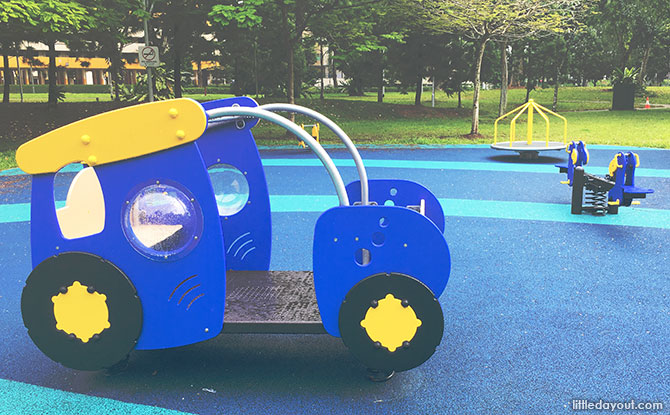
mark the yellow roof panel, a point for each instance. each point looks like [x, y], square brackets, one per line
[114, 136]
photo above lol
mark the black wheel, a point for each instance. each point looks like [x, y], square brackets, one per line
[391, 322]
[81, 311]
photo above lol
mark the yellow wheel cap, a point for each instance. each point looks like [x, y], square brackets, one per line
[390, 323]
[80, 312]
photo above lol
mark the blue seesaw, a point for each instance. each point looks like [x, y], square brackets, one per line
[602, 195]
[165, 241]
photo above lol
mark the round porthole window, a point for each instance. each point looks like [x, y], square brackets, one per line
[162, 222]
[231, 188]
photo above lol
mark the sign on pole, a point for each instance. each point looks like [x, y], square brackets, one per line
[149, 56]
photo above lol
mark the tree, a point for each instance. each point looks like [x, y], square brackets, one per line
[497, 20]
[659, 60]
[454, 71]
[113, 21]
[634, 26]
[58, 20]
[410, 60]
[182, 24]
[253, 49]
[296, 17]
[362, 37]
[17, 18]
[589, 58]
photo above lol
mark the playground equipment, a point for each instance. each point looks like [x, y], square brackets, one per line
[528, 149]
[603, 195]
[164, 241]
[316, 128]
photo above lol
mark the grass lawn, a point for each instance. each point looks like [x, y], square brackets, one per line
[69, 97]
[96, 97]
[372, 123]
[396, 121]
[569, 98]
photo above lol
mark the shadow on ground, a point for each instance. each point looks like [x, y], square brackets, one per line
[515, 158]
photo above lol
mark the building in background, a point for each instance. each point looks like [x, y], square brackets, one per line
[80, 68]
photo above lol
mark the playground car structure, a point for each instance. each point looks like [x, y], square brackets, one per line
[165, 240]
[528, 149]
[603, 195]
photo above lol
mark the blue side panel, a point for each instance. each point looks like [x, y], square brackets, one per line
[183, 299]
[248, 233]
[401, 193]
[398, 239]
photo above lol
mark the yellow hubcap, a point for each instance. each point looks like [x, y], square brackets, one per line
[391, 324]
[80, 312]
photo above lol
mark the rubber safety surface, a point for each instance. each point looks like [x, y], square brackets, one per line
[542, 307]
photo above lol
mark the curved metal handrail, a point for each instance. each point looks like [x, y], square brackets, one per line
[348, 143]
[295, 129]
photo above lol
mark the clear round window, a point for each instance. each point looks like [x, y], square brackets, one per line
[231, 188]
[162, 222]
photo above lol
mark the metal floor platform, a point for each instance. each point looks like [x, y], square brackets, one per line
[271, 302]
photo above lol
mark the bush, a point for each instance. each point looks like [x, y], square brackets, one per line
[163, 87]
[74, 89]
[211, 89]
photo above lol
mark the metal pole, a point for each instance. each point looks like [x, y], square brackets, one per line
[32, 78]
[150, 83]
[18, 71]
[433, 96]
[529, 131]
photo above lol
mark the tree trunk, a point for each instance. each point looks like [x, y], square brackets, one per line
[199, 74]
[177, 74]
[556, 84]
[115, 64]
[418, 90]
[333, 73]
[291, 74]
[528, 89]
[290, 87]
[460, 103]
[177, 62]
[380, 85]
[323, 71]
[290, 92]
[205, 80]
[625, 56]
[502, 108]
[53, 91]
[643, 65]
[256, 65]
[481, 46]
[7, 75]
[116, 76]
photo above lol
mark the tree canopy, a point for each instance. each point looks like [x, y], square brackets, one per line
[275, 47]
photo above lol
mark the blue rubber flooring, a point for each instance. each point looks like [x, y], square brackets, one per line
[542, 307]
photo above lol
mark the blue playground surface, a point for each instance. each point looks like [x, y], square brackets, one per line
[542, 307]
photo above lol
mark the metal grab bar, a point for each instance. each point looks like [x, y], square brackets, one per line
[358, 161]
[334, 174]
